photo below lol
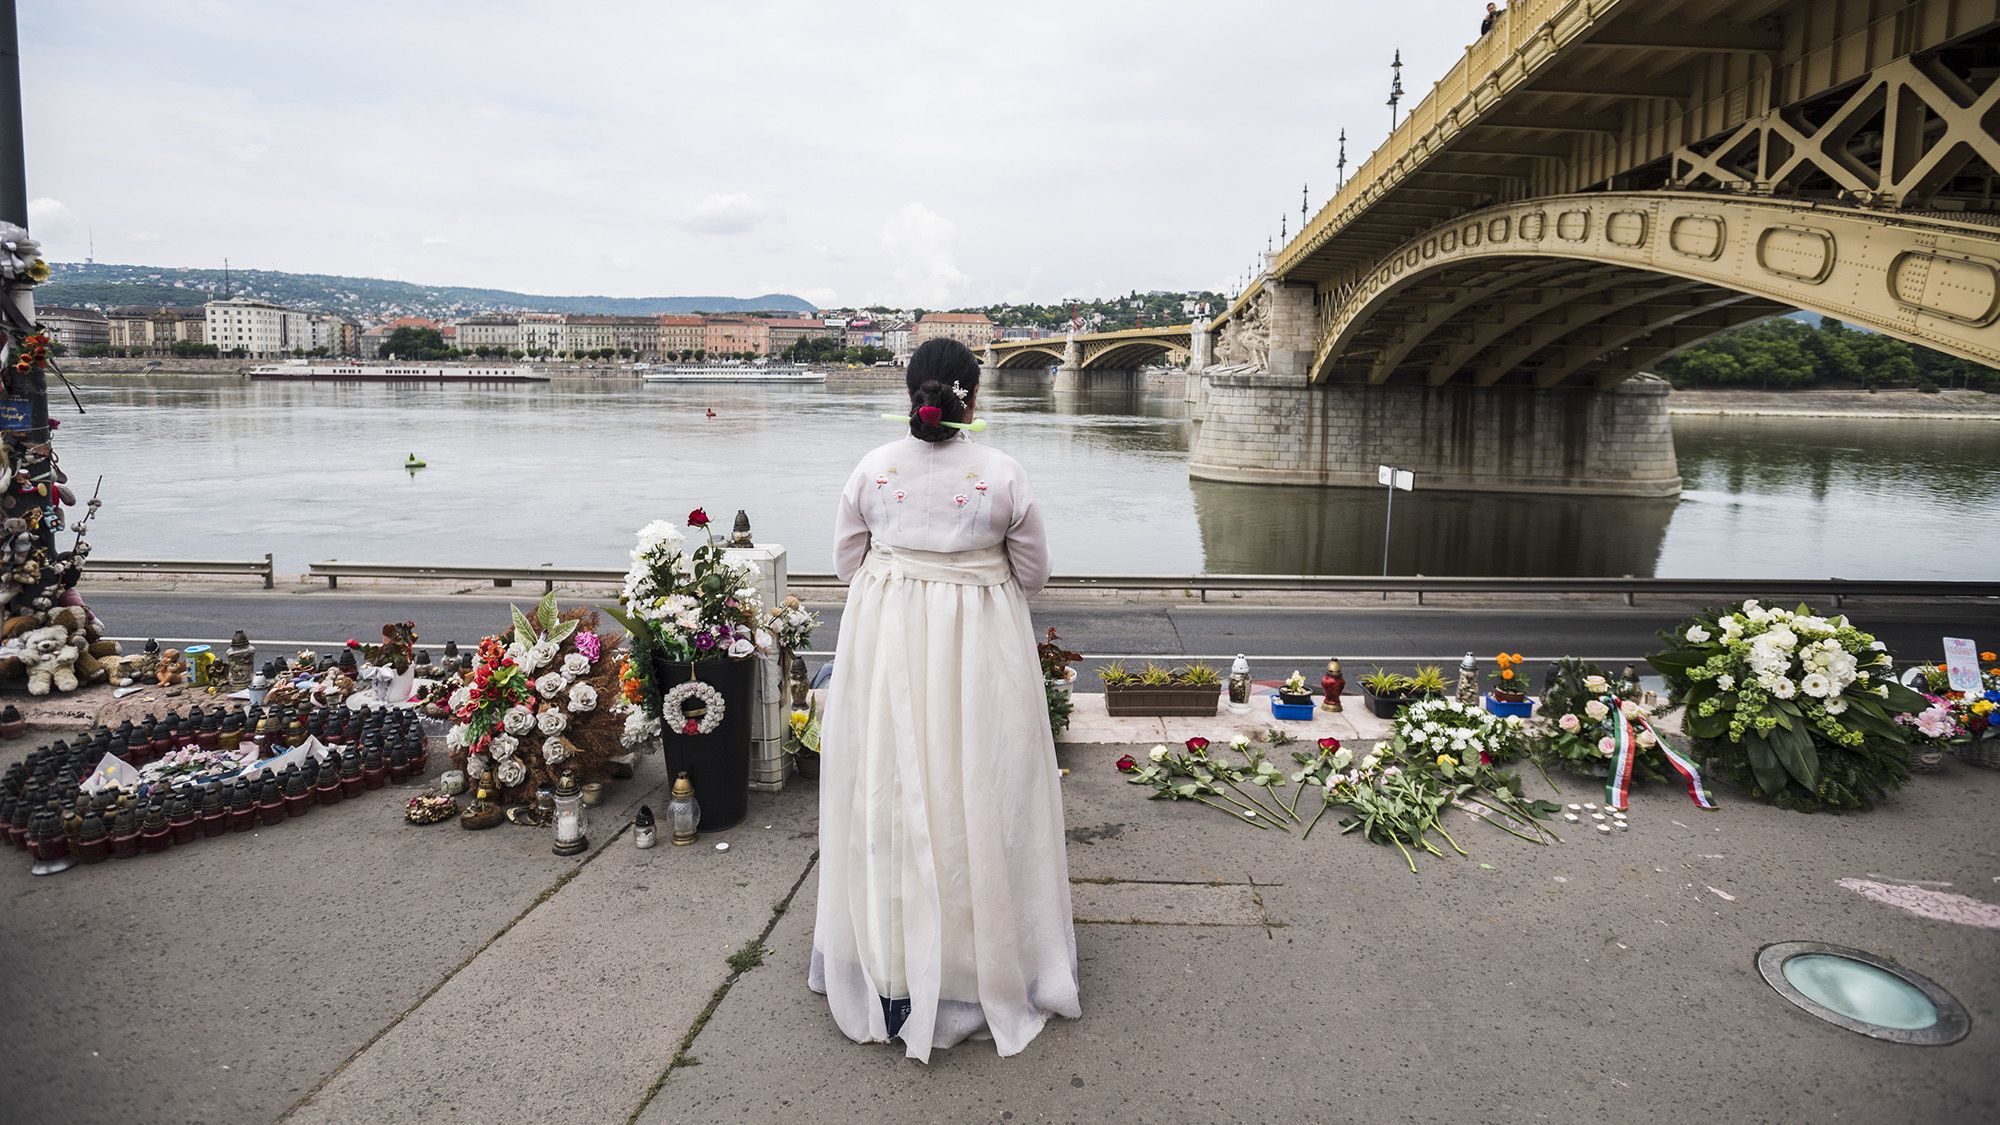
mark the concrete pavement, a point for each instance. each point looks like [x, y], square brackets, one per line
[344, 967]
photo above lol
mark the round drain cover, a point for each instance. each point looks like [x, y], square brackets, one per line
[1862, 992]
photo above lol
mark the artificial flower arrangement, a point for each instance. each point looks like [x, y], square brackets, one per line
[791, 624]
[1510, 677]
[539, 702]
[1800, 709]
[681, 606]
[1572, 727]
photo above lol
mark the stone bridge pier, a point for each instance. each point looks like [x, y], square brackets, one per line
[1260, 419]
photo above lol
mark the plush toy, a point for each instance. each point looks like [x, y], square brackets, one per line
[50, 657]
[173, 670]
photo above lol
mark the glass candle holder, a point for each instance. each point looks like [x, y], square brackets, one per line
[571, 835]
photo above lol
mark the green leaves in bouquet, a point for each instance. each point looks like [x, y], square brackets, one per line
[645, 657]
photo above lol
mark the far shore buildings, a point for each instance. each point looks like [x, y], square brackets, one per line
[678, 335]
[74, 328]
[973, 330]
[154, 330]
[262, 330]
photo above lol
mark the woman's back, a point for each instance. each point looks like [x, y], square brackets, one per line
[945, 496]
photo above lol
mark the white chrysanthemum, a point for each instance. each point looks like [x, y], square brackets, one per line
[518, 720]
[1697, 634]
[1784, 688]
[1418, 735]
[512, 772]
[550, 685]
[551, 721]
[582, 698]
[575, 664]
[1836, 705]
[454, 739]
[1816, 685]
[638, 729]
[503, 747]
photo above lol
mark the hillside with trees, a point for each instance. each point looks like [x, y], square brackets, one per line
[1789, 354]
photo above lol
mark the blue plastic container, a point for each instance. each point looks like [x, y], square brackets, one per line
[1293, 712]
[1506, 708]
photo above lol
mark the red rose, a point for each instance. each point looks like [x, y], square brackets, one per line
[691, 727]
[1127, 764]
[1197, 744]
[352, 643]
[1485, 759]
[1329, 744]
[697, 518]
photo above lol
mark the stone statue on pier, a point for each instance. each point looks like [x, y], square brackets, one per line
[1246, 339]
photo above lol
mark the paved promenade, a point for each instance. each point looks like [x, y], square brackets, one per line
[345, 967]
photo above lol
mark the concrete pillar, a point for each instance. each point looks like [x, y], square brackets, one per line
[1259, 428]
[1294, 325]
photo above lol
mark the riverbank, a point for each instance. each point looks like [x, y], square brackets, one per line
[1897, 403]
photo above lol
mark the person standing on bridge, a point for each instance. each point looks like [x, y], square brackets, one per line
[1492, 17]
[944, 908]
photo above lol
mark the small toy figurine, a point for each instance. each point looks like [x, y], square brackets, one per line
[173, 670]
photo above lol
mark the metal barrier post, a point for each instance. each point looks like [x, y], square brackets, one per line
[270, 573]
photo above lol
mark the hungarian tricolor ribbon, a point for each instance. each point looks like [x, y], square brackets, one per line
[1618, 787]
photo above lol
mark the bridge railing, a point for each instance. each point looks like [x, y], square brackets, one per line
[1525, 24]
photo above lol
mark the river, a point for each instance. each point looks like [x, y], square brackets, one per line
[563, 473]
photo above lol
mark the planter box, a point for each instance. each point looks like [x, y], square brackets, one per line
[1132, 701]
[1506, 708]
[1386, 706]
[1292, 712]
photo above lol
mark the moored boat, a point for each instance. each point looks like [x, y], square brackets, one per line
[394, 372]
[735, 374]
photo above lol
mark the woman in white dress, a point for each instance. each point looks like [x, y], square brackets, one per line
[944, 909]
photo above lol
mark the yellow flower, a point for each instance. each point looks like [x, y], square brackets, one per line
[1982, 707]
[1447, 760]
[799, 721]
[38, 272]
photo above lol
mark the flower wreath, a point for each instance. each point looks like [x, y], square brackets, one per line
[711, 701]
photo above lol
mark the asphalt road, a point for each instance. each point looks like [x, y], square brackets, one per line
[1277, 639]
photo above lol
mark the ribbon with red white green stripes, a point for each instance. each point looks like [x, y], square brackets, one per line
[1625, 746]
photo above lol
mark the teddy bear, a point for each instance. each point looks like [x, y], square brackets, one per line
[172, 670]
[49, 655]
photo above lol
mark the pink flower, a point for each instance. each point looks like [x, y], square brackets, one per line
[1606, 747]
[899, 495]
[980, 487]
[880, 481]
[1569, 723]
[959, 499]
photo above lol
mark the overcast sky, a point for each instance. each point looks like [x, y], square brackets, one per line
[935, 153]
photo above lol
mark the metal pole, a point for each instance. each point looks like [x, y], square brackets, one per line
[1388, 521]
[13, 159]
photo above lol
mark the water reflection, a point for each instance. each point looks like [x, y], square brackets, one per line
[1269, 529]
[564, 473]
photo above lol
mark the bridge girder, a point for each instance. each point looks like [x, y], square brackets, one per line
[1032, 356]
[1130, 355]
[1931, 280]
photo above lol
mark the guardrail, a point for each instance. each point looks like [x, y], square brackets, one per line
[1203, 585]
[258, 567]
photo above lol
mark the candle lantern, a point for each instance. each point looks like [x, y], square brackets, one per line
[683, 811]
[644, 832]
[570, 838]
[1239, 684]
[1331, 685]
[241, 660]
[1468, 681]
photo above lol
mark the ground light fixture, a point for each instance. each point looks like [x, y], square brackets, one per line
[1863, 992]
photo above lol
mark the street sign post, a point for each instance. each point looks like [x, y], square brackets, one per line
[1392, 478]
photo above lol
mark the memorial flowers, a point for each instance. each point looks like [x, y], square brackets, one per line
[682, 606]
[534, 700]
[1434, 727]
[1571, 728]
[1799, 708]
[1958, 716]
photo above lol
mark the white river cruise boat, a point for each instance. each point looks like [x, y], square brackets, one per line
[393, 372]
[728, 373]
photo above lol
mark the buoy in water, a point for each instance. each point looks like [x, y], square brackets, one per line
[414, 462]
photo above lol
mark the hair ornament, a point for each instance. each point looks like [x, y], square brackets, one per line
[961, 392]
[977, 425]
[929, 415]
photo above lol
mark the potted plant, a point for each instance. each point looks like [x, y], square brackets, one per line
[802, 739]
[1056, 658]
[1193, 689]
[1509, 696]
[1293, 701]
[695, 628]
[1386, 692]
[1428, 681]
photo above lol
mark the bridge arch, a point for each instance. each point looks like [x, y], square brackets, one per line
[1130, 355]
[1031, 356]
[1588, 289]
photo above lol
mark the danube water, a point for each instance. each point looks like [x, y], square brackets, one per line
[565, 472]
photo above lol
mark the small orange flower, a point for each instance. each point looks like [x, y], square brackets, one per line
[1517, 658]
[1988, 656]
[1506, 673]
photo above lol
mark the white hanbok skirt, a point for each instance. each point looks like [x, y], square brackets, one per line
[942, 876]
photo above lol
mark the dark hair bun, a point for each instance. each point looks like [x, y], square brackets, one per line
[935, 367]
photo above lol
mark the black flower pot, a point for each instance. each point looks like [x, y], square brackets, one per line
[717, 763]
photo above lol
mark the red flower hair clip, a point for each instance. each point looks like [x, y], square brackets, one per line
[929, 415]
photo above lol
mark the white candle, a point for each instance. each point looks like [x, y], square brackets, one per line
[566, 828]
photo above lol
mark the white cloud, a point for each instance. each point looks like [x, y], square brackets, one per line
[821, 296]
[434, 240]
[924, 246]
[142, 236]
[730, 213]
